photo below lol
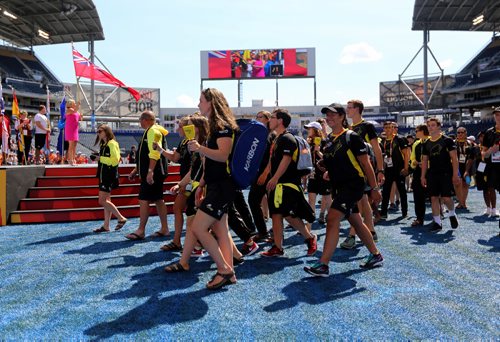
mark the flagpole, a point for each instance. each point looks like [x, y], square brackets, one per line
[92, 83]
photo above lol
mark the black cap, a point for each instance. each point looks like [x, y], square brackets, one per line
[335, 108]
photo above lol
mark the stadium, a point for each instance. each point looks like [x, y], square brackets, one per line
[59, 281]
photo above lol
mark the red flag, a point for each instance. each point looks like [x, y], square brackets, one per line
[84, 68]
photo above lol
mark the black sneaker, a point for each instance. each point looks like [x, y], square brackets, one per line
[435, 227]
[372, 261]
[318, 270]
[454, 222]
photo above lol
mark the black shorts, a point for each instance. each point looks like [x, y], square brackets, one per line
[108, 178]
[440, 185]
[40, 140]
[108, 185]
[218, 197]
[480, 182]
[190, 202]
[346, 197]
[318, 186]
[492, 178]
[151, 192]
[293, 204]
[461, 170]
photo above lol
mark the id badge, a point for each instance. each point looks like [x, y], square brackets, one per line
[495, 157]
[388, 161]
[481, 167]
[461, 159]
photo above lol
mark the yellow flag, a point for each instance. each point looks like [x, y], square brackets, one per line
[15, 106]
[189, 131]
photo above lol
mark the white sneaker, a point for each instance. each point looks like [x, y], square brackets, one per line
[487, 212]
[494, 213]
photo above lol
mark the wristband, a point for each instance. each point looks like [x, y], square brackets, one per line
[150, 170]
[380, 171]
[375, 188]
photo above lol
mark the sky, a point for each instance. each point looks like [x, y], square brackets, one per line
[359, 43]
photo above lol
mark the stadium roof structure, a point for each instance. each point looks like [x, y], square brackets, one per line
[27, 23]
[456, 15]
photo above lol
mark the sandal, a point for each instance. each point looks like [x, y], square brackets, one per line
[175, 267]
[134, 237]
[159, 234]
[226, 280]
[101, 230]
[417, 223]
[120, 224]
[172, 246]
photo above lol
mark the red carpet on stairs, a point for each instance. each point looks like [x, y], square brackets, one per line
[66, 194]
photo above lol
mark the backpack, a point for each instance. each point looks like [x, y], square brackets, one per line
[303, 156]
[249, 147]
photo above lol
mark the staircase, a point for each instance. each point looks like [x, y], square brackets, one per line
[67, 194]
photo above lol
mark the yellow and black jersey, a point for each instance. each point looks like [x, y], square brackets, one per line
[416, 153]
[393, 149]
[145, 152]
[438, 152]
[185, 157]
[285, 145]
[339, 157]
[365, 130]
[109, 158]
[214, 170]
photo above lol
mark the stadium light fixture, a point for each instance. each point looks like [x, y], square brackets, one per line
[10, 15]
[43, 34]
[478, 20]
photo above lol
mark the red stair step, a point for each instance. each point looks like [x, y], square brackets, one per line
[80, 202]
[78, 214]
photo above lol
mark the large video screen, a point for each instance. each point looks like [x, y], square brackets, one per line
[256, 64]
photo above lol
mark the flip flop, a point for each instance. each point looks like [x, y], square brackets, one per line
[226, 280]
[101, 230]
[175, 267]
[159, 234]
[120, 224]
[172, 246]
[134, 237]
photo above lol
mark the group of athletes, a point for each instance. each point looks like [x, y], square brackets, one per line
[351, 165]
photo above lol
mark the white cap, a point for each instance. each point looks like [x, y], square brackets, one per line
[313, 124]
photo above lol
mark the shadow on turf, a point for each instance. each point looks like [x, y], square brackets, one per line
[316, 291]
[422, 236]
[61, 239]
[158, 309]
[493, 242]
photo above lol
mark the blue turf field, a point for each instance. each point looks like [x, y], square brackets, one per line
[60, 281]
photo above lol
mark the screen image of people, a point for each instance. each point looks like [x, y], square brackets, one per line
[266, 63]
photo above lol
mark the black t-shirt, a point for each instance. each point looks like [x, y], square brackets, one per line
[216, 171]
[365, 130]
[465, 151]
[185, 157]
[196, 167]
[340, 160]
[438, 152]
[316, 158]
[285, 145]
[393, 149]
[491, 137]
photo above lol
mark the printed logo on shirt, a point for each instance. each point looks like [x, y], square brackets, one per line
[223, 131]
